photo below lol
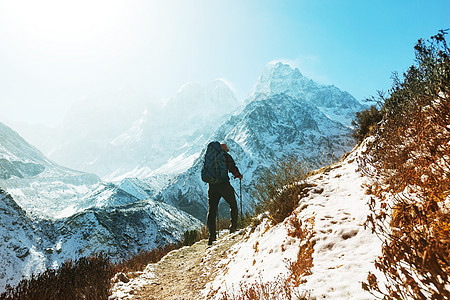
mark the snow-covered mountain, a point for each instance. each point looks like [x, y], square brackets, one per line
[124, 134]
[261, 134]
[281, 117]
[32, 245]
[39, 186]
[166, 143]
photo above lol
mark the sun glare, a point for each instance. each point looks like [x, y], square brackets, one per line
[63, 22]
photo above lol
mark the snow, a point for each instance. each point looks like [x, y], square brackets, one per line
[258, 257]
[35, 262]
[178, 165]
[67, 212]
[47, 197]
[122, 290]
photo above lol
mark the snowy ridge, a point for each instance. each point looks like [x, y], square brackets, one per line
[121, 230]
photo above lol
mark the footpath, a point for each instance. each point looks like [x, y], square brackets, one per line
[182, 274]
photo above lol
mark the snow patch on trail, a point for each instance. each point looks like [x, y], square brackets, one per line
[125, 290]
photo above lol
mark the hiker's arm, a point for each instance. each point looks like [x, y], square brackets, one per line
[231, 166]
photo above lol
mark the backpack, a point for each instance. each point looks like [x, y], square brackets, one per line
[214, 169]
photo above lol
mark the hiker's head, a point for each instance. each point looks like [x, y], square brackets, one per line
[224, 147]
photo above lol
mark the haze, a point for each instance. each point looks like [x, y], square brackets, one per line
[53, 53]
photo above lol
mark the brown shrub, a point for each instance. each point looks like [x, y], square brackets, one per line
[411, 153]
[304, 263]
[365, 122]
[279, 289]
[278, 189]
[85, 278]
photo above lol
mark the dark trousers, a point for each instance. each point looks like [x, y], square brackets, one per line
[215, 192]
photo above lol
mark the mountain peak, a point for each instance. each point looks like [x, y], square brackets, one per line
[281, 78]
[277, 69]
[276, 78]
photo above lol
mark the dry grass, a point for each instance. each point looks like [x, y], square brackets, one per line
[304, 263]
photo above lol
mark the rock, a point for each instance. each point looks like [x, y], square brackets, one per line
[22, 252]
[122, 277]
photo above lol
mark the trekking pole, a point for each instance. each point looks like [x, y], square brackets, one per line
[240, 197]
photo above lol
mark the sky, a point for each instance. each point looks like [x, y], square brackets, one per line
[55, 52]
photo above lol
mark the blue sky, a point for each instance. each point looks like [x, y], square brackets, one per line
[53, 53]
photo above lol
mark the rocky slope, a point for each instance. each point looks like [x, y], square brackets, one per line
[19, 243]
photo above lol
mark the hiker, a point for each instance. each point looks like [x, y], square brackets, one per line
[215, 170]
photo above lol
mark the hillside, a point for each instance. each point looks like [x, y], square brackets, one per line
[343, 250]
[18, 253]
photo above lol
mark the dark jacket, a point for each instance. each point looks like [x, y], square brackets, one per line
[231, 166]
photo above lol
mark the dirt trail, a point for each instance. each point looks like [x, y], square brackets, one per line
[183, 273]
